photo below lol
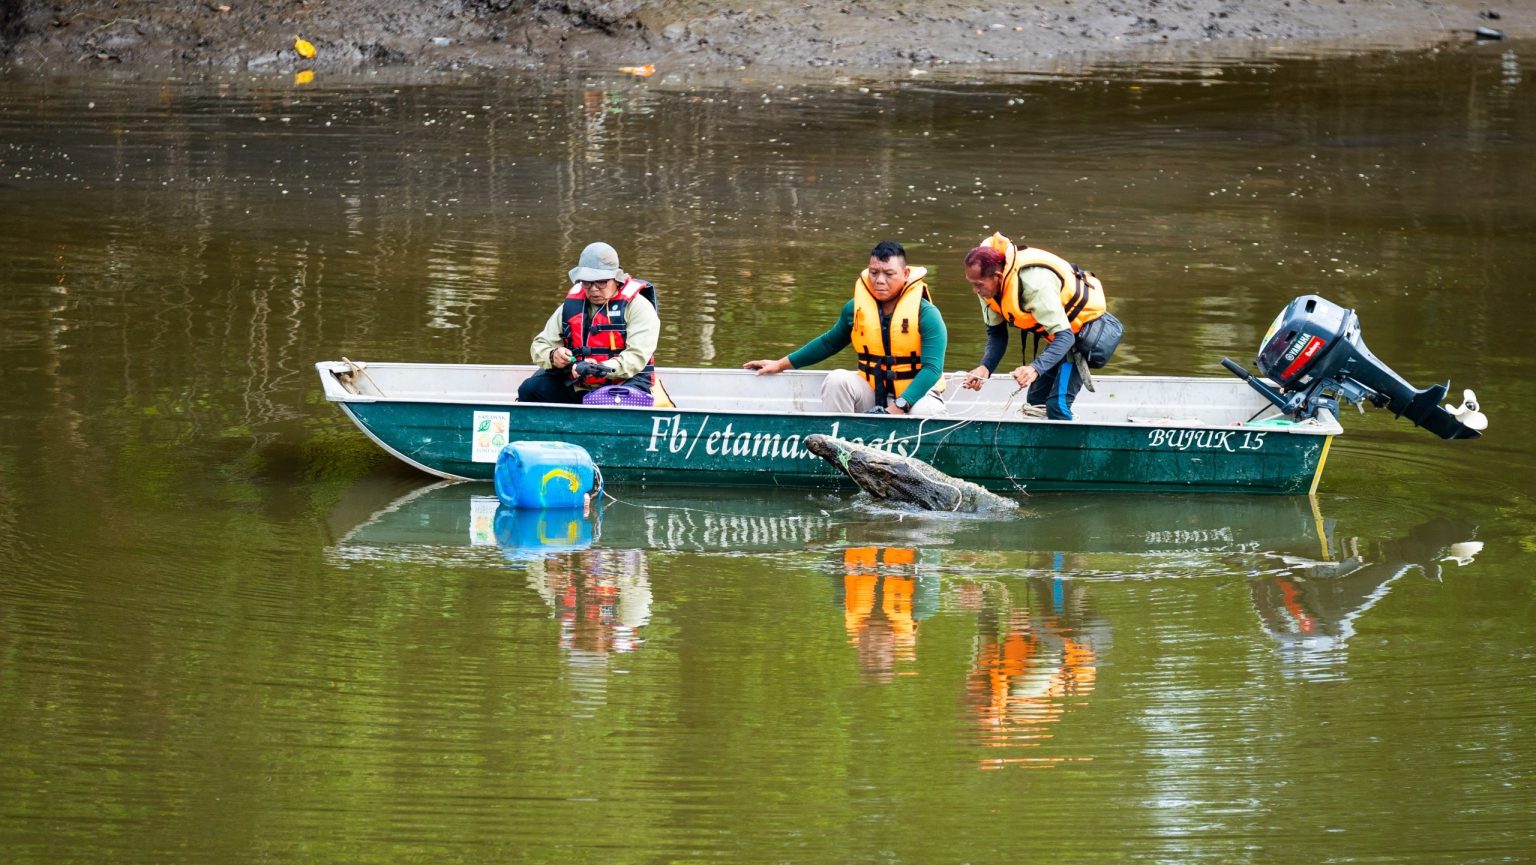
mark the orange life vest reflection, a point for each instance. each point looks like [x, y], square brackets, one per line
[1028, 670]
[880, 613]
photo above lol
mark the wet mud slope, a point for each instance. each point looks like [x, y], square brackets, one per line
[893, 35]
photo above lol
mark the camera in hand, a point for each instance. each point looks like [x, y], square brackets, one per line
[589, 369]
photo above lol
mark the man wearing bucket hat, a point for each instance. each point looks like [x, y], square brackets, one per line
[605, 332]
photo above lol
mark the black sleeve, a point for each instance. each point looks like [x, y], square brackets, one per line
[997, 343]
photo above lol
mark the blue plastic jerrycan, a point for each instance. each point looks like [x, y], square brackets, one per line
[538, 474]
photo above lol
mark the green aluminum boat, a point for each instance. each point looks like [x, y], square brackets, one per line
[732, 427]
[1247, 433]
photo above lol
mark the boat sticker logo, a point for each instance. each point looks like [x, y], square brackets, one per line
[488, 434]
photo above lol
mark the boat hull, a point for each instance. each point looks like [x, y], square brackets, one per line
[692, 447]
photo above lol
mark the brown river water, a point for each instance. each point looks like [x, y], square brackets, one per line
[232, 631]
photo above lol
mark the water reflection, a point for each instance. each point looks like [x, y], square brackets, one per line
[391, 516]
[1311, 608]
[1023, 588]
[602, 599]
[524, 534]
[395, 518]
[885, 592]
[1035, 659]
[1034, 654]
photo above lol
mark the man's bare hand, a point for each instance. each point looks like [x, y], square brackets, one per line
[767, 367]
[1025, 375]
[976, 378]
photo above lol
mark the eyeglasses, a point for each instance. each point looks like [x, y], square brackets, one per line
[596, 283]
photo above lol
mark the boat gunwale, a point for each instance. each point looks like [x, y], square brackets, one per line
[1326, 424]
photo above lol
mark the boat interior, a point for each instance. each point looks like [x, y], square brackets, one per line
[1148, 400]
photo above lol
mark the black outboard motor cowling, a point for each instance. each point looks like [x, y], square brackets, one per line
[1314, 352]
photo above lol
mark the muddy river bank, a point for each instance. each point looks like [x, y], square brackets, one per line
[889, 35]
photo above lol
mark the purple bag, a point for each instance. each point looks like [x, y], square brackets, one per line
[619, 394]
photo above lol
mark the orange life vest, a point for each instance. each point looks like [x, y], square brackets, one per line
[1082, 295]
[890, 366]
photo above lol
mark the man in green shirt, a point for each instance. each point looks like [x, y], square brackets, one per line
[899, 336]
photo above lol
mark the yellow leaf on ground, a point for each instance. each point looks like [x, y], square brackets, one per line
[304, 49]
[645, 71]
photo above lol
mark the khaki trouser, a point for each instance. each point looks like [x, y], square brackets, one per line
[845, 391]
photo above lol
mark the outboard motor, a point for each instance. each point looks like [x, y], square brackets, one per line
[1314, 352]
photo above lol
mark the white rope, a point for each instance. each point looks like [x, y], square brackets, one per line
[998, 452]
[356, 368]
[1026, 410]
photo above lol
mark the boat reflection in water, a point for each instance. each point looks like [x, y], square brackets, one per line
[1310, 609]
[452, 523]
[1026, 578]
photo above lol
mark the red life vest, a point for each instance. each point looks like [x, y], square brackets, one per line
[600, 336]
